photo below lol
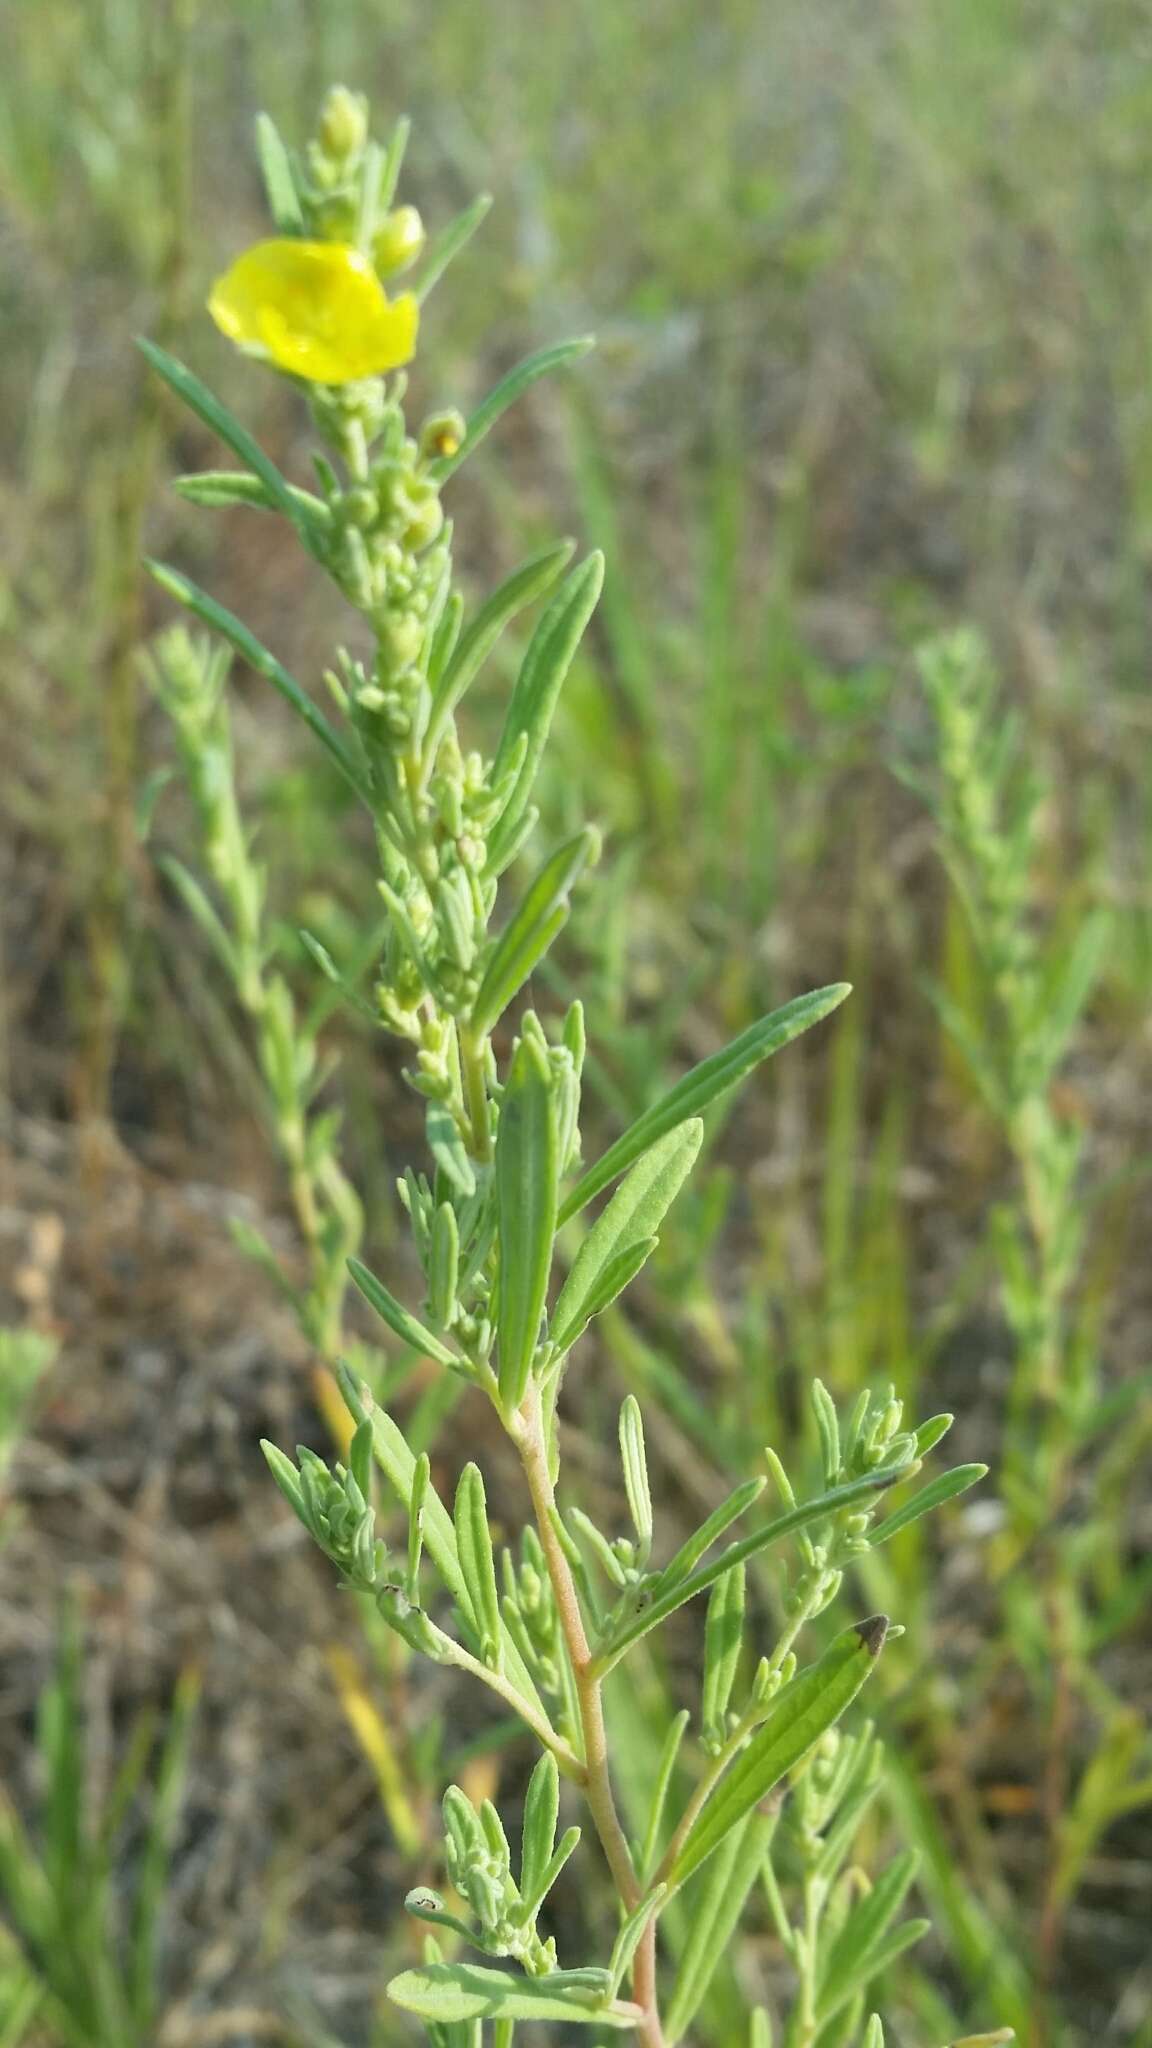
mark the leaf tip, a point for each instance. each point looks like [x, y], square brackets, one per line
[872, 1633]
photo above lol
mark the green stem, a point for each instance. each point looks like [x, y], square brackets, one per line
[472, 1061]
[529, 1437]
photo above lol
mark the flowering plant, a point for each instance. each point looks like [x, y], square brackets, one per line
[766, 1801]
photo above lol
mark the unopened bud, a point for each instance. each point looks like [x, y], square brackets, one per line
[343, 123]
[425, 524]
[442, 434]
[400, 639]
[398, 241]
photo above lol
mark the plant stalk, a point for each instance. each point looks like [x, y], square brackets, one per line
[530, 1442]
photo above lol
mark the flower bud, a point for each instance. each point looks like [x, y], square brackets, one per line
[400, 640]
[441, 434]
[343, 127]
[398, 241]
[425, 523]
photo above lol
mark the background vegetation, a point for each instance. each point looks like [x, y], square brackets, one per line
[872, 287]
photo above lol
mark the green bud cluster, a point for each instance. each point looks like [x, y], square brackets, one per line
[337, 1511]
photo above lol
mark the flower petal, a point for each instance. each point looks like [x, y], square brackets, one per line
[314, 309]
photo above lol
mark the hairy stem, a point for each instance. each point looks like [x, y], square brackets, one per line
[529, 1438]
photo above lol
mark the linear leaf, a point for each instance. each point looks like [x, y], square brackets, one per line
[246, 644]
[474, 1549]
[825, 1505]
[703, 1084]
[931, 1496]
[522, 588]
[546, 662]
[526, 1173]
[634, 1215]
[710, 1531]
[848, 1964]
[504, 394]
[660, 1789]
[538, 1835]
[217, 488]
[447, 1148]
[279, 183]
[723, 1641]
[530, 930]
[800, 1714]
[398, 1318]
[448, 1992]
[445, 246]
[204, 403]
[715, 1916]
[631, 1934]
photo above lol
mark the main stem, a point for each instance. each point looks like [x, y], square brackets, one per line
[529, 1438]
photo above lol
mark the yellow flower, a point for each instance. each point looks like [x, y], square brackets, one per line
[315, 309]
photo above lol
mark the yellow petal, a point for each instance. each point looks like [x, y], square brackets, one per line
[315, 309]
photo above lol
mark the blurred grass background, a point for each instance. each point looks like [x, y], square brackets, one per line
[873, 288]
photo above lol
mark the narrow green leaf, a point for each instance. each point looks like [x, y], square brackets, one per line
[474, 1549]
[618, 1274]
[154, 1858]
[446, 1992]
[504, 394]
[286, 1476]
[546, 663]
[522, 588]
[246, 644]
[393, 163]
[634, 1460]
[664, 1771]
[710, 1531]
[723, 1641]
[713, 1077]
[567, 1845]
[445, 246]
[526, 1173]
[279, 182]
[800, 1517]
[799, 1715]
[931, 1496]
[631, 1933]
[208, 407]
[929, 1433]
[398, 1318]
[219, 488]
[443, 1263]
[715, 1915]
[400, 1467]
[633, 1215]
[447, 1148]
[848, 1964]
[828, 1428]
[199, 905]
[530, 930]
[541, 1813]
